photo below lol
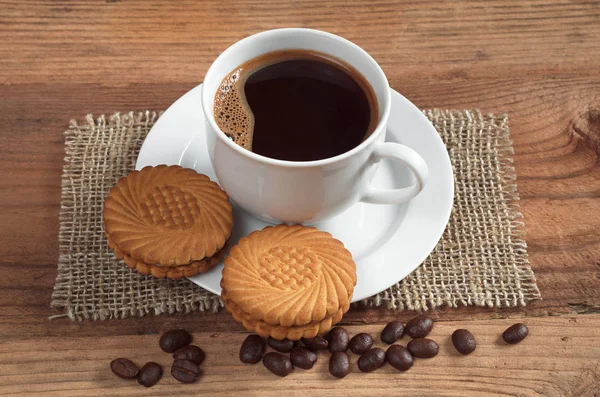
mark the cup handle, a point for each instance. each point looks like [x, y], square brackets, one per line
[406, 156]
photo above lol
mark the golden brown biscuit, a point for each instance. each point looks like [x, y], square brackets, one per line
[176, 272]
[289, 276]
[168, 216]
[280, 332]
[172, 272]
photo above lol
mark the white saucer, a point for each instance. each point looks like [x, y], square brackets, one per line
[387, 241]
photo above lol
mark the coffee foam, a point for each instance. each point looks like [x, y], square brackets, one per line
[231, 111]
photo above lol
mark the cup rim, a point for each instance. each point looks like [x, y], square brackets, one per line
[287, 163]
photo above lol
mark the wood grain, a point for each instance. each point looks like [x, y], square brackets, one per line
[539, 61]
[560, 356]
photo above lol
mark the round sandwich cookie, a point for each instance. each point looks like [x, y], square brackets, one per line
[172, 272]
[281, 332]
[167, 221]
[292, 280]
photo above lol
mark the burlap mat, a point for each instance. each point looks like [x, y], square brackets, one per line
[480, 260]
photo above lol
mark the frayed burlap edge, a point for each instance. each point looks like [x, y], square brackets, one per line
[87, 269]
[512, 284]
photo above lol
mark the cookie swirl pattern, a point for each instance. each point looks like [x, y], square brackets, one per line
[289, 276]
[168, 216]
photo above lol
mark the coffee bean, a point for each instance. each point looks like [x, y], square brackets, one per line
[124, 368]
[150, 373]
[399, 357]
[339, 364]
[338, 340]
[277, 363]
[252, 350]
[316, 343]
[515, 333]
[419, 327]
[192, 353]
[303, 358]
[174, 339]
[284, 346]
[464, 341]
[371, 360]
[423, 348]
[185, 371]
[360, 343]
[392, 332]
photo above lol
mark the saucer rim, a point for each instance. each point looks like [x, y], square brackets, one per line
[144, 158]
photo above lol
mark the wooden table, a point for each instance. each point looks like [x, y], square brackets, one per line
[538, 61]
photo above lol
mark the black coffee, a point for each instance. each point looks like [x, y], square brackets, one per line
[296, 105]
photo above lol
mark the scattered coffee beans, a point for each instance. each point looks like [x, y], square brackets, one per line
[392, 332]
[174, 339]
[124, 368]
[360, 343]
[191, 352]
[284, 346]
[316, 343]
[185, 371]
[187, 358]
[339, 364]
[463, 341]
[252, 350]
[302, 357]
[399, 357]
[419, 327]
[150, 373]
[371, 360]
[515, 333]
[277, 363]
[423, 348]
[338, 340]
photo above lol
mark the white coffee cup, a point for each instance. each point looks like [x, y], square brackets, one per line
[305, 191]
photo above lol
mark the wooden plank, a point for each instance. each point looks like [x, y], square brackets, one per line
[140, 42]
[537, 60]
[560, 356]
